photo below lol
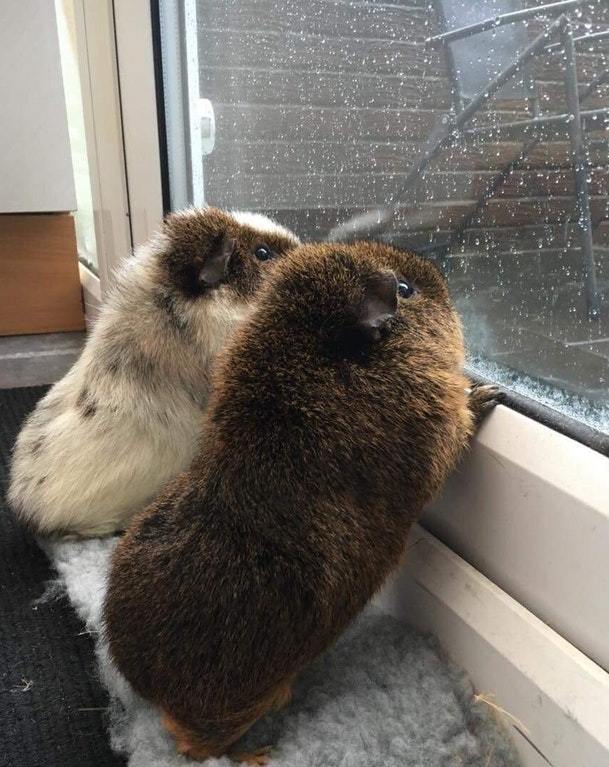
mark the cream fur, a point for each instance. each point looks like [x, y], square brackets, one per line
[88, 476]
[261, 223]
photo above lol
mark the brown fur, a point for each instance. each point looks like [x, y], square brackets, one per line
[194, 238]
[322, 444]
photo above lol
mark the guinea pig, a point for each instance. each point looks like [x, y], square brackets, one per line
[126, 418]
[338, 408]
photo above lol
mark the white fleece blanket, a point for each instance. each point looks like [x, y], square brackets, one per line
[382, 697]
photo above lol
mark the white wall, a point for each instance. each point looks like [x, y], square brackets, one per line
[35, 164]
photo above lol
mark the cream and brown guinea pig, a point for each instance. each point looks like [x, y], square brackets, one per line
[126, 418]
[338, 408]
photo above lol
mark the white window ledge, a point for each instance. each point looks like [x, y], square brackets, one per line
[529, 508]
[556, 699]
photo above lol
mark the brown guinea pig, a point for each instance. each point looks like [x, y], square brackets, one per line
[338, 409]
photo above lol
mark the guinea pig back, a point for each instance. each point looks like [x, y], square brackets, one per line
[337, 410]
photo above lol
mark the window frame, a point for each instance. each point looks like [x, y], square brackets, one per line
[557, 421]
[103, 133]
[118, 86]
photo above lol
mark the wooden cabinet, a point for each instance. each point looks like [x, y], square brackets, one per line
[39, 282]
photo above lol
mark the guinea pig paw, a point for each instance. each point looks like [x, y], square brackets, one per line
[260, 757]
[482, 399]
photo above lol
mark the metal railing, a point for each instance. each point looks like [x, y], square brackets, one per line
[453, 127]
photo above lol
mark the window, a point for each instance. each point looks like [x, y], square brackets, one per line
[324, 113]
[84, 215]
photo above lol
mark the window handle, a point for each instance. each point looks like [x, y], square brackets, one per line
[207, 126]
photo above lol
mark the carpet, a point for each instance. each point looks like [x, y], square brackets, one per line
[52, 705]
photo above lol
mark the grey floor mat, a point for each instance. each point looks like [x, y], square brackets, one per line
[383, 697]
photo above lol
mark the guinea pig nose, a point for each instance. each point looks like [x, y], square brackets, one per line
[215, 269]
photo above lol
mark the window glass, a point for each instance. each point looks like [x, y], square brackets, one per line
[324, 109]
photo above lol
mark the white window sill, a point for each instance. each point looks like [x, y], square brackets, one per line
[555, 699]
[529, 508]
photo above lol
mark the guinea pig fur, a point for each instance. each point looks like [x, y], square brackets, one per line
[337, 411]
[126, 418]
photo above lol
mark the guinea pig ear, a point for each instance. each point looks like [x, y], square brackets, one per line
[216, 264]
[379, 303]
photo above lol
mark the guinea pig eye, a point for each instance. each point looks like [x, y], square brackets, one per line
[262, 253]
[405, 290]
